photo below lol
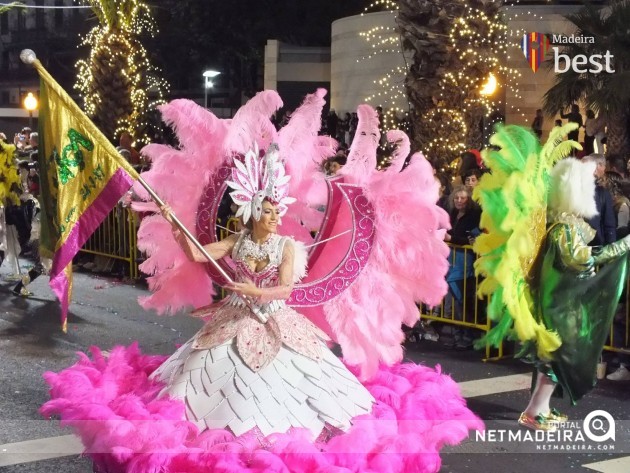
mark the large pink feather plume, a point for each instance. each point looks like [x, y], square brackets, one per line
[113, 406]
[252, 123]
[403, 146]
[302, 150]
[408, 263]
[361, 163]
[299, 143]
[178, 177]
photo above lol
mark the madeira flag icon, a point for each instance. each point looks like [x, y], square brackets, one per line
[535, 47]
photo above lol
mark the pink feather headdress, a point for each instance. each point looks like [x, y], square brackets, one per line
[258, 178]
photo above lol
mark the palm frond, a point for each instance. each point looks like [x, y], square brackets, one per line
[10, 6]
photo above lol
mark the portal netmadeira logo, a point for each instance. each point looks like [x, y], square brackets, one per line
[536, 46]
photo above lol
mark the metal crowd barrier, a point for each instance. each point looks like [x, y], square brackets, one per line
[467, 311]
[470, 312]
[116, 238]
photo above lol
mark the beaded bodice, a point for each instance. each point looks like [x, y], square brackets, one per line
[245, 251]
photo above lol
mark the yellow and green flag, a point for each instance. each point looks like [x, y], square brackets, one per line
[82, 178]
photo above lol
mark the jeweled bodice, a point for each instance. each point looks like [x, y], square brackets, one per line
[245, 250]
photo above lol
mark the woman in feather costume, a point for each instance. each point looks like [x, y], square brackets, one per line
[547, 287]
[257, 388]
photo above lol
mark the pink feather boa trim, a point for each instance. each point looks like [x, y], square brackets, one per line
[112, 406]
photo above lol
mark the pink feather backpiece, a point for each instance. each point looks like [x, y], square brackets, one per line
[409, 261]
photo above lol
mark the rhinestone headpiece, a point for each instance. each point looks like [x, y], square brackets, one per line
[257, 178]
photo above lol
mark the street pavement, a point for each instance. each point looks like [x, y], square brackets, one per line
[105, 312]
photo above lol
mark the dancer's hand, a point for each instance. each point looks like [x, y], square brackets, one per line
[247, 288]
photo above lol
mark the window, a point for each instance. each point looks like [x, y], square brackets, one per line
[40, 22]
[58, 13]
[21, 20]
[4, 23]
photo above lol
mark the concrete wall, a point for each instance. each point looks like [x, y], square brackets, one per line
[288, 63]
[354, 79]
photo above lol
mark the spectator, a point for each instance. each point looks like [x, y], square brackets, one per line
[574, 116]
[332, 120]
[126, 143]
[334, 164]
[617, 165]
[537, 124]
[34, 147]
[21, 142]
[469, 160]
[445, 191]
[604, 223]
[621, 204]
[471, 179]
[464, 216]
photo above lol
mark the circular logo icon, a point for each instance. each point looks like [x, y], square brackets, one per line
[599, 426]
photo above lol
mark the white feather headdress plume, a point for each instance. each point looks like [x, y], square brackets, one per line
[573, 188]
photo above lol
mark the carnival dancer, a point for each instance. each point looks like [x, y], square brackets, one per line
[547, 287]
[9, 191]
[257, 388]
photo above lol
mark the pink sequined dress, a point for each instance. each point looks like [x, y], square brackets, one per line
[242, 374]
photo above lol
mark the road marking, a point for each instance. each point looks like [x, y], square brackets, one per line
[498, 385]
[39, 449]
[617, 465]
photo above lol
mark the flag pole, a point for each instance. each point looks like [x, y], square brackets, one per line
[156, 198]
[255, 308]
[29, 57]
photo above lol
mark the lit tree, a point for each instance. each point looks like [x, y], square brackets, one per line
[456, 46]
[120, 88]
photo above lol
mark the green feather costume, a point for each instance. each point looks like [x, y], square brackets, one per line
[539, 270]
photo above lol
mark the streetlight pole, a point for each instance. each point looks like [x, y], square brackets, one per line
[208, 76]
[487, 89]
[30, 104]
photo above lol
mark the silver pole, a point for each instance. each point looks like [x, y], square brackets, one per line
[255, 308]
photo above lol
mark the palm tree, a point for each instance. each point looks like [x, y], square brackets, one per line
[7, 7]
[452, 42]
[119, 86]
[604, 92]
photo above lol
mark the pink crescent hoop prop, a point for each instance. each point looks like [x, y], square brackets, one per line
[336, 263]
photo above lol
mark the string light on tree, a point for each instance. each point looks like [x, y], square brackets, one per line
[454, 54]
[119, 86]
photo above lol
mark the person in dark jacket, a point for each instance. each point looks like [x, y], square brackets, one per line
[465, 215]
[574, 116]
[604, 223]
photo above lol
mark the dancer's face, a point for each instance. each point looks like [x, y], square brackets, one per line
[334, 168]
[269, 218]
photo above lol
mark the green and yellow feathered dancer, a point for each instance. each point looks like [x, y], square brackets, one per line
[9, 177]
[514, 202]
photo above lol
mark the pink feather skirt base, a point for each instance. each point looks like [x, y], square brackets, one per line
[112, 405]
